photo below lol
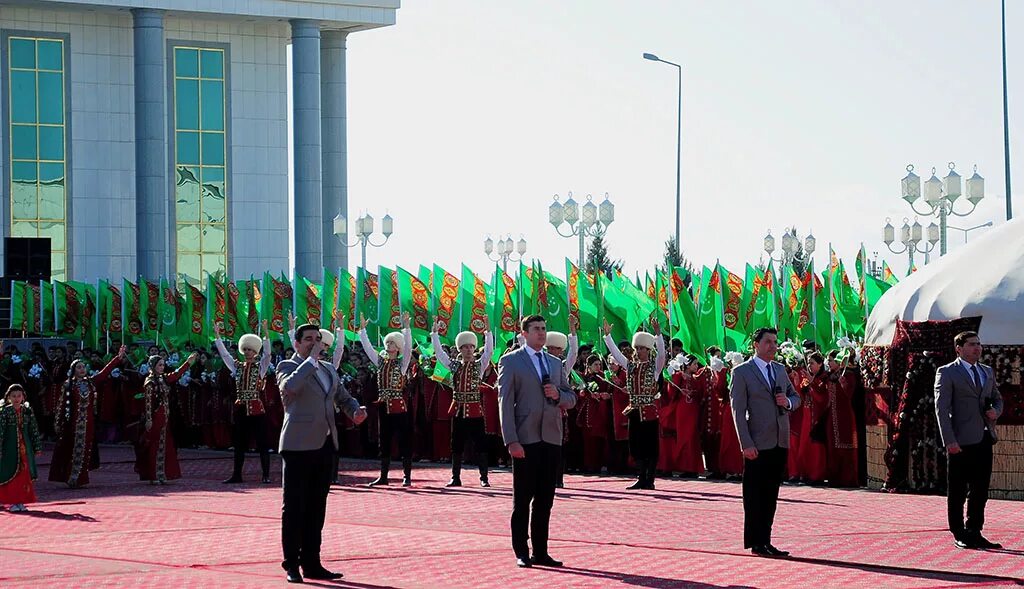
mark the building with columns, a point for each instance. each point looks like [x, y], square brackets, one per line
[150, 137]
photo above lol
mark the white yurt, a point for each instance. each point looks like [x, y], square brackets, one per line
[909, 334]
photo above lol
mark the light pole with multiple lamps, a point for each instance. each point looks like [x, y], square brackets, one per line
[790, 247]
[594, 222]
[504, 252]
[911, 236]
[940, 196]
[364, 229]
[679, 135]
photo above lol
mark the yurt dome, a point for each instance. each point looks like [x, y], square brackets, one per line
[985, 277]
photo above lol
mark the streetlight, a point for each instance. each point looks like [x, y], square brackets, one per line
[940, 196]
[364, 229]
[679, 136]
[790, 247]
[969, 229]
[594, 222]
[504, 251]
[911, 236]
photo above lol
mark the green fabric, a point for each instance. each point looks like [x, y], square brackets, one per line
[417, 305]
[9, 454]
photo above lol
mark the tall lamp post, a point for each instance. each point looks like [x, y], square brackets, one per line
[364, 229]
[679, 135]
[504, 252]
[912, 239]
[940, 196]
[790, 249]
[594, 222]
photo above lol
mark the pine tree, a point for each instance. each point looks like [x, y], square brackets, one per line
[597, 257]
[673, 258]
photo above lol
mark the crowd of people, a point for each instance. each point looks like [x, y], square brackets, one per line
[161, 399]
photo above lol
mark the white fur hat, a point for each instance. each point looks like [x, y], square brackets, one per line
[396, 338]
[250, 341]
[557, 339]
[465, 338]
[642, 339]
[327, 338]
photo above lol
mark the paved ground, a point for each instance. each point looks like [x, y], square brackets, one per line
[199, 533]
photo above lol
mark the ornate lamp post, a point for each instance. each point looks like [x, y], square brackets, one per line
[364, 229]
[594, 221]
[505, 249]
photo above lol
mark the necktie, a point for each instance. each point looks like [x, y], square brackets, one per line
[771, 377]
[977, 377]
[543, 366]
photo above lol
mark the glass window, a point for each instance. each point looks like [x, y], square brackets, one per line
[23, 96]
[51, 55]
[38, 144]
[186, 63]
[201, 189]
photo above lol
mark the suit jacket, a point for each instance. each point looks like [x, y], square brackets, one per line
[308, 406]
[525, 414]
[759, 423]
[960, 406]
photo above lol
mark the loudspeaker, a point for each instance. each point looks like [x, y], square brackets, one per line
[27, 258]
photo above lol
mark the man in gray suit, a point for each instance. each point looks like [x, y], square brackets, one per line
[762, 398]
[310, 388]
[533, 389]
[967, 404]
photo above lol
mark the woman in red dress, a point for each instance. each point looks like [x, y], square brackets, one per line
[688, 391]
[730, 454]
[812, 463]
[75, 422]
[157, 458]
[841, 426]
[594, 415]
[19, 446]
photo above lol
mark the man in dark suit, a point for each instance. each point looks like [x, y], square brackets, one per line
[967, 404]
[533, 389]
[762, 398]
[310, 388]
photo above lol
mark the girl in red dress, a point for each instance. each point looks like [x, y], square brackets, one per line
[75, 422]
[812, 463]
[19, 446]
[594, 415]
[157, 458]
[730, 454]
[688, 390]
[841, 426]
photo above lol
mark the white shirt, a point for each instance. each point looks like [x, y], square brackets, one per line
[764, 367]
[970, 373]
[534, 354]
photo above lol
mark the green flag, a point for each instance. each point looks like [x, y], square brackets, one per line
[47, 314]
[21, 311]
[329, 300]
[306, 301]
[472, 302]
[505, 315]
[196, 314]
[276, 303]
[871, 288]
[131, 311]
[415, 300]
[367, 287]
[68, 308]
[888, 276]
[685, 312]
[582, 298]
[347, 303]
[389, 301]
[712, 326]
[552, 300]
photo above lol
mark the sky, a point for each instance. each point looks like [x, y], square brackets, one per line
[467, 117]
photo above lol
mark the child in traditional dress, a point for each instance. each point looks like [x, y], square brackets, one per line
[19, 446]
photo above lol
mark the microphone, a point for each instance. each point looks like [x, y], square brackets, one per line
[778, 391]
[546, 380]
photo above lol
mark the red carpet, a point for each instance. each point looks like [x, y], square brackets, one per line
[196, 532]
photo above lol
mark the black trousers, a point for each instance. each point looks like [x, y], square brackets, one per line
[307, 481]
[643, 438]
[533, 481]
[395, 425]
[245, 428]
[968, 476]
[762, 478]
[471, 428]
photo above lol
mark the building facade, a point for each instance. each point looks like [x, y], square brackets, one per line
[151, 137]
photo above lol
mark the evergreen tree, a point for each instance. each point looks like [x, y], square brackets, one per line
[673, 258]
[597, 257]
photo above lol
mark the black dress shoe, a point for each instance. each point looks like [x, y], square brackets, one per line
[293, 575]
[454, 483]
[760, 551]
[649, 486]
[985, 544]
[963, 543]
[233, 480]
[407, 481]
[322, 574]
[637, 485]
[523, 563]
[775, 551]
[484, 483]
[545, 561]
[379, 481]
